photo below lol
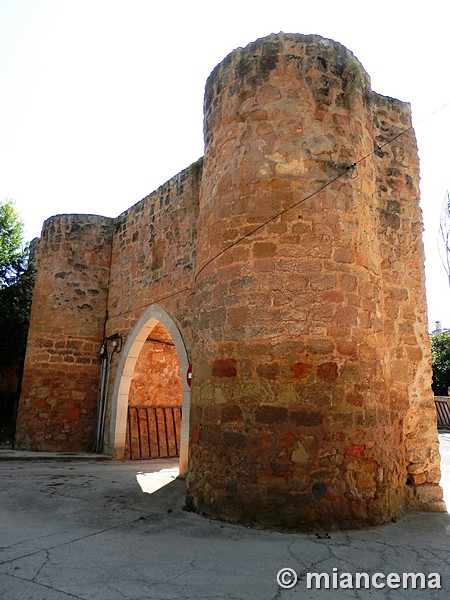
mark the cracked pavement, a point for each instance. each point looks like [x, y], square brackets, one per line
[89, 529]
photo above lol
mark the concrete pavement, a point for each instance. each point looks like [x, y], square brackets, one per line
[102, 530]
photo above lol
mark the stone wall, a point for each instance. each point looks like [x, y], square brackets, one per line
[153, 261]
[154, 249]
[410, 405]
[157, 376]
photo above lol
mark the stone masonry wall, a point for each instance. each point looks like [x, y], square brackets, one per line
[411, 401]
[154, 250]
[144, 256]
[153, 261]
[157, 376]
[60, 386]
[299, 361]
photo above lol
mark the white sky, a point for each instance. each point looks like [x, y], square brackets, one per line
[101, 100]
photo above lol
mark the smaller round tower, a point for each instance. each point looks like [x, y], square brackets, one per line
[60, 387]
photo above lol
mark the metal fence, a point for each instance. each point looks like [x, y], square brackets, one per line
[443, 412]
[153, 432]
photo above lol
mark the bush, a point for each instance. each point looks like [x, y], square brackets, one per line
[440, 357]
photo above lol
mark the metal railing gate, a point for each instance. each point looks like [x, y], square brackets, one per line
[153, 432]
[443, 413]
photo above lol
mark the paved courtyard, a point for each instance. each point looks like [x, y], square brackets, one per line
[74, 527]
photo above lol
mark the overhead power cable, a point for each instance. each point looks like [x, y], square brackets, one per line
[347, 169]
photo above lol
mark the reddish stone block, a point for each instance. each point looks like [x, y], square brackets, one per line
[271, 414]
[268, 370]
[355, 450]
[233, 441]
[346, 317]
[345, 255]
[355, 399]
[231, 413]
[289, 439]
[328, 372]
[303, 418]
[224, 367]
[73, 414]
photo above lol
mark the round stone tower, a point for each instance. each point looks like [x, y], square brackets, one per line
[297, 418]
[60, 387]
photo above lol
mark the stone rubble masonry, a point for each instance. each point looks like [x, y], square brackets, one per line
[153, 261]
[95, 278]
[58, 404]
[312, 400]
[311, 397]
[157, 375]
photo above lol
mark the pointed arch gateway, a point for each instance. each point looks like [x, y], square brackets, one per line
[153, 316]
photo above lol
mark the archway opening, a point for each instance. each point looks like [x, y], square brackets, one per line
[155, 400]
[132, 387]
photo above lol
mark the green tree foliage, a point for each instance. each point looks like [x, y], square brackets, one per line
[16, 284]
[16, 292]
[440, 356]
[15, 307]
[13, 254]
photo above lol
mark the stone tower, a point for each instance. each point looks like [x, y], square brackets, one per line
[311, 401]
[58, 407]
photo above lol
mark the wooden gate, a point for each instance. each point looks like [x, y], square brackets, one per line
[153, 432]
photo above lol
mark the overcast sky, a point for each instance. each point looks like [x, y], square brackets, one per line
[101, 100]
